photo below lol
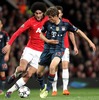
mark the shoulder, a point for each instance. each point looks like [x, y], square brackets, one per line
[47, 22]
[65, 20]
[31, 20]
[46, 18]
[4, 32]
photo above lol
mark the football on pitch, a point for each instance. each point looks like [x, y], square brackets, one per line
[24, 92]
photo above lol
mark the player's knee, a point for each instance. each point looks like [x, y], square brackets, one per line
[38, 72]
[28, 74]
[21, 68]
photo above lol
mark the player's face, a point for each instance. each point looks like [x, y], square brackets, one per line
[52, 19]
[60, 13]
[38, 14]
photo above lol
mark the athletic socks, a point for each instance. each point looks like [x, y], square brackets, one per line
[65, 77]
[54, 84]
[18, 84]
[50, 81]
[41, 82]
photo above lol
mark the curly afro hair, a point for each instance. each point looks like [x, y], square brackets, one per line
[38, 6]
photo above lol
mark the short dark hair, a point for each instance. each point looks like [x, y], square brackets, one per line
[52, 11]
[59, 8]
[38, 6]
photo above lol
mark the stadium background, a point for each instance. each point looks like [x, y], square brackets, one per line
[84, 14]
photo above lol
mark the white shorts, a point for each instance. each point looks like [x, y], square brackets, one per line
[66, 56]
[32, 56]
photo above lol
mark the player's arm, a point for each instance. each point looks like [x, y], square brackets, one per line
[72, 28]
[72, 38]
[6, 57]
[43, 37]
[92, 45]
[51, 41]
[6, 38]
[24, 27]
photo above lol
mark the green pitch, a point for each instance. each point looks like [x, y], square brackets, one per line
[76, 94]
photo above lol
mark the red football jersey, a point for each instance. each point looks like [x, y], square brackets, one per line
[34, 28]
[66, 40]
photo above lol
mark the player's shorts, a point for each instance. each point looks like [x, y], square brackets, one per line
[46, 57]
[66, 56]
[3, 64]
[32, 56]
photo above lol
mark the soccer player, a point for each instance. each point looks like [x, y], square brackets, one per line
[3, 57]
[53, 50]
[33, 48]
[65, 59]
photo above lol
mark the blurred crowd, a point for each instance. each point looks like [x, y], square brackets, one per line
[84, 14]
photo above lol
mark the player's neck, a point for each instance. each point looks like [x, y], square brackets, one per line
[57, 21]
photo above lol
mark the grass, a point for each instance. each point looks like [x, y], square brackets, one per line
[76, 94]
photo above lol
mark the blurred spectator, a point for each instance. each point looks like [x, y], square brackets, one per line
[22, 6]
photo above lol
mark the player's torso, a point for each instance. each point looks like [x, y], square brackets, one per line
[57, 32]
[34, 34]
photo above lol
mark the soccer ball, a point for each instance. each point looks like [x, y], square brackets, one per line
[24, 92]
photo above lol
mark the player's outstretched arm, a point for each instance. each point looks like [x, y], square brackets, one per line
[92, 45]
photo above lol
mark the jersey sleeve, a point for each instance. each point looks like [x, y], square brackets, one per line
[66, 20]
[22, 28]
[72, 28]
[44, 28]
[6, 36]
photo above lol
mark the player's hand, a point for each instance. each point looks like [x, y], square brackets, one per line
[53, 41]
[6, 48]
[92, 45]
[75, 50]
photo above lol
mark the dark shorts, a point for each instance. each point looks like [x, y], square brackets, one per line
[46, 57]
[3, 65]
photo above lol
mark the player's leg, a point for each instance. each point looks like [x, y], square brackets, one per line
[44, 61]
[3, 80]
[19, 70]
[25, 59]
[54, 85]
[51, 76]
[32, 69]
[3, 68]
[40, 76]
[22, 81]
[65, 72]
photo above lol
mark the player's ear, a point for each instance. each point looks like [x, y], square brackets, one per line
[62, 14]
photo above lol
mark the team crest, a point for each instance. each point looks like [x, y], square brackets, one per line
[63, 28]
[57, 28]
